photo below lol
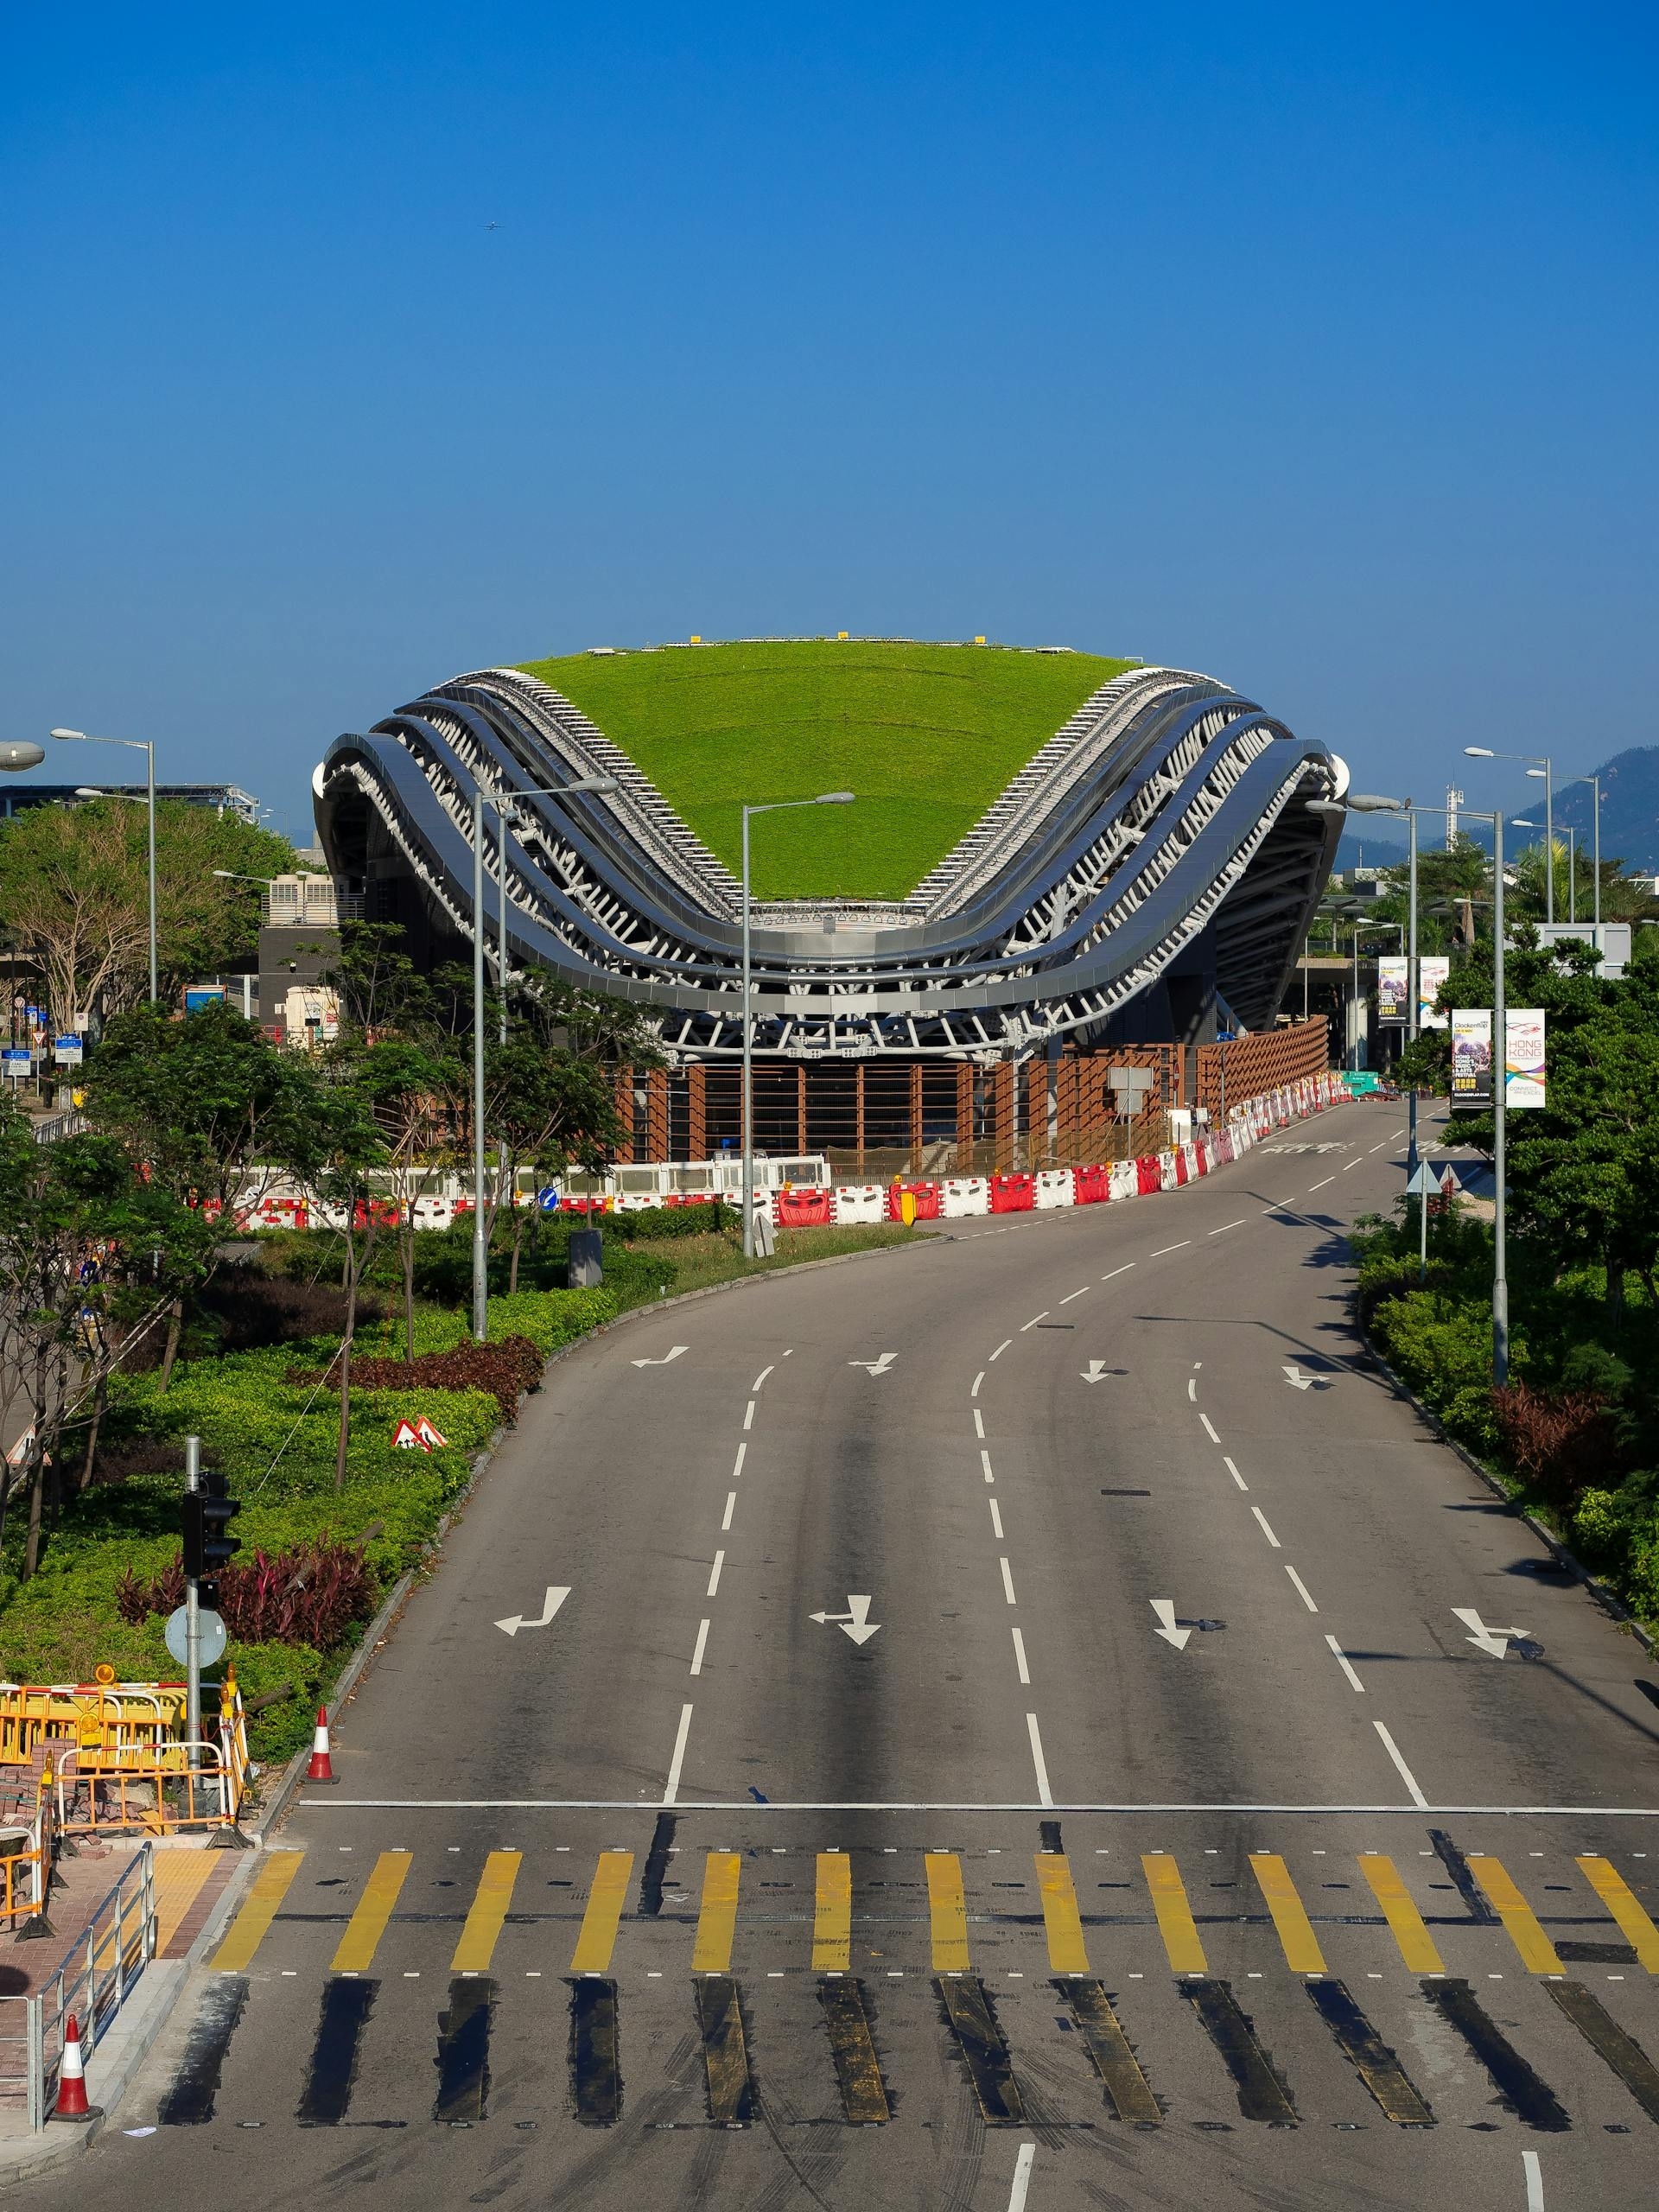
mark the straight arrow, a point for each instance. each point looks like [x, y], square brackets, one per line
[1165, 1609]
[1098, 1372]
[666, 1357]
[1495, 1641]
[556, 1597]
[1298, 1381]
[856, 1621]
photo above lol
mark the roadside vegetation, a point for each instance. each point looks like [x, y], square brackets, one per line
[1575, 1434]
[923, 736]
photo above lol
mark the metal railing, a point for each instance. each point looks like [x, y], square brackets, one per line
[93, 1982]
[60, 1125]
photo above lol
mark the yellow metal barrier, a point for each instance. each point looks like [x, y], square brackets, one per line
[124, 1760]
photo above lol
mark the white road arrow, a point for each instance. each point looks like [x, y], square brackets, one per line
[1493, 1639]
[876, 1366]
[856, 1621]
[556, 1597]
[1298, 1381]
[1165, 1609]
[1098, 1372]
[666, 1357]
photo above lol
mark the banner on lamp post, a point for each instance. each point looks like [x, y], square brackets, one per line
[1523, 1057]
[1392, 991]
[1472, 1056]
[1432, 972]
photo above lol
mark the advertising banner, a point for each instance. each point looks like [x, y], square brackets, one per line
[1392, 991]
[1472, 1056]
[1432, 971]
[1523, 1057]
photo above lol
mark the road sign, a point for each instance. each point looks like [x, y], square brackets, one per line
[856, 1621]
[1495, 1642]
[1165, 1609]
[876, 1366]
[67, 1051]
[1425, 1183]
[548, 1198]
[19, 1062]
[1098, 1372]
[210, 1637]
[1298, 1381]
[672, 1354]
[555, 1598]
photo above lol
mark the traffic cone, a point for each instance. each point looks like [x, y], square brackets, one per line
[72, 2080]
[321, 1768]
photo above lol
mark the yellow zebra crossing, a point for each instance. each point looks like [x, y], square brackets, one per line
[960, 1911]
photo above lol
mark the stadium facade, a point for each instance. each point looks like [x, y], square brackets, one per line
[1147, 876]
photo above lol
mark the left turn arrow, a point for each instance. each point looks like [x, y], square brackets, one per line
[665, 1359]
[556, 1597]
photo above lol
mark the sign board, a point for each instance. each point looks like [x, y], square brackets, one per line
[67, 1051]
[198, 995]
[19, 1062]
[548, 1198]
[1423, 1184]
[1523, 1057]
[407, 1438]
[432, 1438]
[1432, 971]
[1472, 1056]
[210, 1637]
[1393, 991]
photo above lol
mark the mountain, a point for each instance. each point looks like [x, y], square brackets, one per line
[1629, 809]
[1359, 849]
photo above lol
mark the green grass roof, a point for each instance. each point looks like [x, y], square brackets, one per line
[925, 735]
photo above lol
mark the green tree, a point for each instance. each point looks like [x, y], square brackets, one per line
[74, 897]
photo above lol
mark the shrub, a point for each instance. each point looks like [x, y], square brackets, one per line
[504, 1368]
[249, 1309]
[1558, 1444]
[311, 1595]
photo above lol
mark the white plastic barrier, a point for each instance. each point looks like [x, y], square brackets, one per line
[1054, 1188]
[1126, 1180]
[1166, 1170]
[860, 1202]
[961, 1195]
[434, 1213]
[636, 1201]
[1189, 1155]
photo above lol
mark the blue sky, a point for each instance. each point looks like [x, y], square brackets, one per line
[1313, 347]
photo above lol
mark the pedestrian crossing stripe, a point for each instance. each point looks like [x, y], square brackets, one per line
[1065, 1927]
[180, 1877]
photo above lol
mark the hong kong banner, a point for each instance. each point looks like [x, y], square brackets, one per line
[1523, 1057]
[1392, 991]
[1472, 1056]
[1432, 972]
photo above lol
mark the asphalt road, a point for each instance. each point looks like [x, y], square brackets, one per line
[1230, 1806]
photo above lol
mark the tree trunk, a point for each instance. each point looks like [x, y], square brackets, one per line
[1615, 1289]
[99, 1403]
[345, 1363]
[36, 1498]
[517, 1242]
[174, 1318]
[408, 1287]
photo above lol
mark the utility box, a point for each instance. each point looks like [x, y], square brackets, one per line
[586, 1267]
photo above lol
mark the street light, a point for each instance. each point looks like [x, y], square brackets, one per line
[146, 747]
[16, 753]
[746, 1105]
[1369, 803]
[501, 802]
[1540, 766]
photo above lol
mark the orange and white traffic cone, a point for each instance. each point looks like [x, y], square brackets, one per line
[72, 2080]
[321, 1768]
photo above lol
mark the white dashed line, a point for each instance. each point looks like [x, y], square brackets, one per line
[702, 1645]
[978, 1379]
[1008, 1582]
[1034, 1319]
[1226, 1225]
[1301, 1589]
[1124, 1270]
[1320, 1185]
[1045, 1795]
[1209, 1428]
[713, 1578]
[737, 1464]
[1234, 1472]
[985, 1462]
[996, 1518]
[1337, 1653]
[1191, 1391]
[1002, 1347]
[1084, 1293]
[748, 1414]
[1405, 1773]
[760, 1378]
[1162, 1248]
[1019, 1658]
[1266, 1531]
[978, 1424]
[731, 1507]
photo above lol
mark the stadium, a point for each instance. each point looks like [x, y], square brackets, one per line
[1062, 878]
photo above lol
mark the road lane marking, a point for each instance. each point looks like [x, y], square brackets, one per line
[1209, 1428]
[1008, 1582]
[1002, 1347]
[978, 1424]
[1062, 1924]
[1162, 1248]
[1045, 1794]
[1234, 1472]
[1175, 1923]
[1266, 1531]
[1019, 1658]
[716, 1913]
[1352, 1163]
[488, 1913]
[1416, 1946]
[714, 1578]
[1342, 1660]
[748, 1415]
[1022, 2165]
[1634, 1924]
[1405, 1773]
[737, 1464]
[702, 1640]
[1034, 1319]
[678, 1759]
[947, 1912]
[1462, 1808]
[1537, 1953]
[985, 1462]
[978, 1379]
[1320, 1185]
[270, 1887]
[760, 1378]
[731, 1507]
[179, 1876]
[996, 1518]
[356, 1947]
[600, 1921]
[1226, 1225]
[832, 1913]
[1191, 1389]
[1296, 1937]
[1084, 1293]
[1533, 2174]
[1124, 1270]
[1301, 1589]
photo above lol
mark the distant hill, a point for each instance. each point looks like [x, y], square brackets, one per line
[1630, 809]
[1362, 851]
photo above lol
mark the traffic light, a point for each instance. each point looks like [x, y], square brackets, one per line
[208, 1544]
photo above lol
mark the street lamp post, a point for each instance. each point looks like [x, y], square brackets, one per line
[746, 1104]
[1540, 765]
[1594, 783]
[146, 745]
[501, 802]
